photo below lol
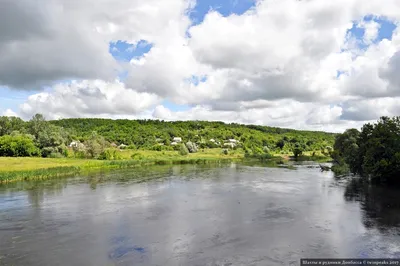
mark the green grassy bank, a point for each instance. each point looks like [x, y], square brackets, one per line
[33, 168]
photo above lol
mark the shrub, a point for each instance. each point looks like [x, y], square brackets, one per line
[192, 147]
[183, 150]
[136, 156]
[110, 154]
[18, 146]
[298, 150]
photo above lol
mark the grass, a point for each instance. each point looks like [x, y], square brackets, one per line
[31, 168]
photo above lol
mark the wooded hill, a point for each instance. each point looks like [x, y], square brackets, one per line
[39, 137]
[149, 134]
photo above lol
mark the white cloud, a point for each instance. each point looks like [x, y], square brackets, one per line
[371, 30]
[9, 112]
[283, 113]
[370, 109]
[61, 39]
[88, 98]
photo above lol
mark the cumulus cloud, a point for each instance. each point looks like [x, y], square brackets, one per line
[88, 98]
[61, 39]
[370, 109]
[371, 30]
[287, 114]
[9, 112]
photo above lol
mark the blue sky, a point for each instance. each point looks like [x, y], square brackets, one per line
[124, 52]
[385, 31]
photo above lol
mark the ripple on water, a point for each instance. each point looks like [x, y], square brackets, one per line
[276, 214]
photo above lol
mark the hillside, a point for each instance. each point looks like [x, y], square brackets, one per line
[152, 134]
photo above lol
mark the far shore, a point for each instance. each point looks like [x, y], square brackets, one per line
[13, 169]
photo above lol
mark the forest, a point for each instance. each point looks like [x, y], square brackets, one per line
[372, 153]
[100, 138]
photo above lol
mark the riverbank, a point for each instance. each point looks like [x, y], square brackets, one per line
[33, 168]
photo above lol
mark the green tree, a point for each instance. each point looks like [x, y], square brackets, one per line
[183, 150]
[280, 144]
[10, 124]
[379, 152]
[298, 150]
[51, 136]
[95, 145]
[374, 153]
[37, 124]
[18, 146]
[346, 149]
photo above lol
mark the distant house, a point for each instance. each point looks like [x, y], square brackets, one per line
[212, 140]
[177, 139]
[122, 146]
[230, 144]
[114, 145]
[74, 144]
[174, 143]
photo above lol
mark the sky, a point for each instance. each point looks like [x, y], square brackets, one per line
[312, 64]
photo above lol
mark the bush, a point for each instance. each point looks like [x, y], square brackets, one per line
[266, 149]
[18, 146]
[136, 156]
[265, 156]
[183, 150]
[110, 154]
[48, 150]
[298, 150]
[225, 151]
[340, 169]
[192, 148]
[55, 155]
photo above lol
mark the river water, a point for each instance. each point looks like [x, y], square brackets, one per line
[232, 214]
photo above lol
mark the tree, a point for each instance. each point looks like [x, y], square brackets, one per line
[18, 146]
[95, 145]
[192, 147]
[374, 153]
[379, 151]
[51, 136]
[37, 124]
[10, 124]
[280, 144]
[183, 150]
[298, 150]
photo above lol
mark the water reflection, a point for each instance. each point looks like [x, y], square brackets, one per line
[233, 214]
[380, 205]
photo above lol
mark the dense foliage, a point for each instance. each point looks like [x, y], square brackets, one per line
[149, 134]
[18, 145]
[374, 153]
[96, 138]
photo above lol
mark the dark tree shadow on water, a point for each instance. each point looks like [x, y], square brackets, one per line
[380, 204]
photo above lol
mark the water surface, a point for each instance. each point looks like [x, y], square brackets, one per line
[196, 215]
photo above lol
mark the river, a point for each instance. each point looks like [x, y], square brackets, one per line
[234, 214]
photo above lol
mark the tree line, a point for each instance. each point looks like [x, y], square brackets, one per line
[93, 137]
[372, 153]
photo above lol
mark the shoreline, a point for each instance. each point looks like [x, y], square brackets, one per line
[15, 169]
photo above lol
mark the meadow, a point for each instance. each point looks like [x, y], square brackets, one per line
[35, 168]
